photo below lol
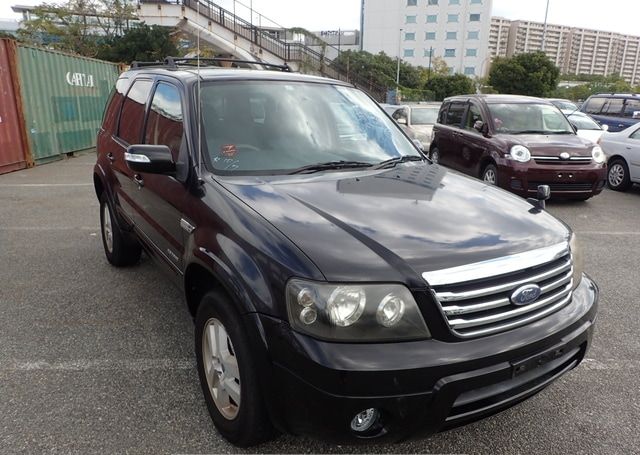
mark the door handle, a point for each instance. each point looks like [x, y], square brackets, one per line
[139, 180]
[110, 157]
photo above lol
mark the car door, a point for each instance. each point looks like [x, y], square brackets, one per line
[632, 153]
[452, 146]
[611, 114]
[130, 124]
[474, 144]
[162, 196]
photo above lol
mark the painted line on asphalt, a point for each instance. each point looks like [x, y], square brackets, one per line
[101, 364]
[41, 185]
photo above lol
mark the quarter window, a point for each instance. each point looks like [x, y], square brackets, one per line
[631, 107]
[636, 134]
[132, 115]
[164, 124]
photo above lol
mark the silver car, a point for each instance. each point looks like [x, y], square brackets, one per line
[623, 151]
[416, 119]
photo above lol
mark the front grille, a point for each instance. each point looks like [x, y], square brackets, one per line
[533, 186]
[476, 299]
[561, 162]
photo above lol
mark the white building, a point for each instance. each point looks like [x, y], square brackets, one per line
[456, 30]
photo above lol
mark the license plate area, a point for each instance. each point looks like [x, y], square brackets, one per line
[536, 361]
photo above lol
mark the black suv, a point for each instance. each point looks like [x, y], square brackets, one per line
[342, 285]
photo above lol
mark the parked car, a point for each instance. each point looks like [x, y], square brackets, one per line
[342, 285]
[416, 119]
[563, 105]
[623, 152]
[617, 111]
[585, 126]
[517, 143]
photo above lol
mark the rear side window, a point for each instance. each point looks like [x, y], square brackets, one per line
[442, 116]
[132, 116]
[455, 114]
[631, 107]
[594, 105]
[613, 106]
[164, 125]
[110, 119]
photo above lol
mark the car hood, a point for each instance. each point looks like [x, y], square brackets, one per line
[550, 145]
[591, 135]
[393, 225]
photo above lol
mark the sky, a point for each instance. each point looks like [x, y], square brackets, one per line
[613, 15]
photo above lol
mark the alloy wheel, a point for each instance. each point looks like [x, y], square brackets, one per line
[107, 227]
[489, 176]
[616, 175]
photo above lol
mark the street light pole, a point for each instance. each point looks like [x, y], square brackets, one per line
[544, 30]
[399, 49]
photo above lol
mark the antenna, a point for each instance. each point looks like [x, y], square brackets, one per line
[199, 101]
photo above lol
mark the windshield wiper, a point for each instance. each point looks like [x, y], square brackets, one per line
[329, 165]
[531, 132]
[397, 160]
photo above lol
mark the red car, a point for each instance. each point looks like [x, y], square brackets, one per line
[517, 143]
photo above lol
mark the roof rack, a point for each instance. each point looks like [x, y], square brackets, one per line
[175, 62]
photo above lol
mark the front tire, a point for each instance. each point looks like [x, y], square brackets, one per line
[228, 374]
[618, 177]
[119, 248]
[490, 174]
[435, 155]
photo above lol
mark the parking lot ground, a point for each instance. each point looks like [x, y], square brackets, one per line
[99, 360]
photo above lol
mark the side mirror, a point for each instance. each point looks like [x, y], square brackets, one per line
[605, 127]
[402, 120]
[418, 144]
[151, 159]
[481, 127]
[636, 114]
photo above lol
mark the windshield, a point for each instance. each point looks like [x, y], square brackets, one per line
[276, 127]
[565, 105]
[529, 118]
[582, 122]
[424, 115]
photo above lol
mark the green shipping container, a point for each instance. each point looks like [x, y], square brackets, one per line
[63, 100]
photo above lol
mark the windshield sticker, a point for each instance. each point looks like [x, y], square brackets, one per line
[228, 150]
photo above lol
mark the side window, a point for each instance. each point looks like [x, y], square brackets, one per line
[164, 125]
[631, 107]
[455, 113]
[132, 115]
[594, 106]
[473, 116]
[613, 106]
[110, 118]
[442, 115]
[636, 135]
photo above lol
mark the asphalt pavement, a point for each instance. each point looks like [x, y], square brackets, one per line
[95, 359]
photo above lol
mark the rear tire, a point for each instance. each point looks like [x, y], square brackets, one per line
[435, 155]
[618, 177]
[228, 375]
[490, 174]
[120, 249]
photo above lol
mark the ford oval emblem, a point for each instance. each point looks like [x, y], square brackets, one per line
[526, 294]
[565, 155]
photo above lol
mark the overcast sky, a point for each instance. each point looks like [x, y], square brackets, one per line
[613, 15]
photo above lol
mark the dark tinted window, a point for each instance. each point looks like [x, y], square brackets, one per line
[132, 115]
[164, 125]
[594, 105]
[112, 111]
[455, 113]
[473, 116]
[443, 113]
[613, 106]
[631, 106]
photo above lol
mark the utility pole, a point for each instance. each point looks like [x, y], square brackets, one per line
[399, 49]
[544, 30]
[430, 55]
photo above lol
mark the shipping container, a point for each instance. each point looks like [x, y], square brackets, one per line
[63, 99]
[14, 148]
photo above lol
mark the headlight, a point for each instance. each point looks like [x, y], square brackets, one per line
[353, 312]
[598, 155]
[520, 153]
[577, 260]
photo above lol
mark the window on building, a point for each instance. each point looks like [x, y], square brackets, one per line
[430, 36]
[472, 53]
[412, 2]
[410, 36]
[432, 18]
[132, 114]
[452, 17]
[473, 35]
[411, 19]
[449, 52]
[474, 17]
[451, 70]
[470, 70]
[432, 2]
[428, 52]
[409, 53]
[164, 124]
[454, 2]
[452, 35]
[476, 2]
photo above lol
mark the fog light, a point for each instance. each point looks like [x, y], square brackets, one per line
[365, 420]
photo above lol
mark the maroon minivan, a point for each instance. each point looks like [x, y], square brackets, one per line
[517, 143]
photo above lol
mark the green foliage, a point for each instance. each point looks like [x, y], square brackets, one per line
[593, 84]
[379, 68]
[139, 43]
[531, 74]
[444, 86]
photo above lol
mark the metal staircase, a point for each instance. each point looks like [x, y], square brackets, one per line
[246, 40]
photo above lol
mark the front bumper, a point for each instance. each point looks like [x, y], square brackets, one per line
[565, 181]
[420, 387]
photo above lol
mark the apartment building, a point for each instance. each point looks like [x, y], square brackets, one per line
[418, 30]
[573, 50]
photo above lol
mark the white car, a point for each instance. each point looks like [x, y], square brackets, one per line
[416, 119]
[623, 151]
[585, 126]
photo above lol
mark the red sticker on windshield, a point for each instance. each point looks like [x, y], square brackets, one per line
[228, 150]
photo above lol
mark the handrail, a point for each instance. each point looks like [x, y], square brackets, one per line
[297, 52]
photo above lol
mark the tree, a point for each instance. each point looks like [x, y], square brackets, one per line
[531, 74]
[141, 42]
[444, 86]
[379, 68]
